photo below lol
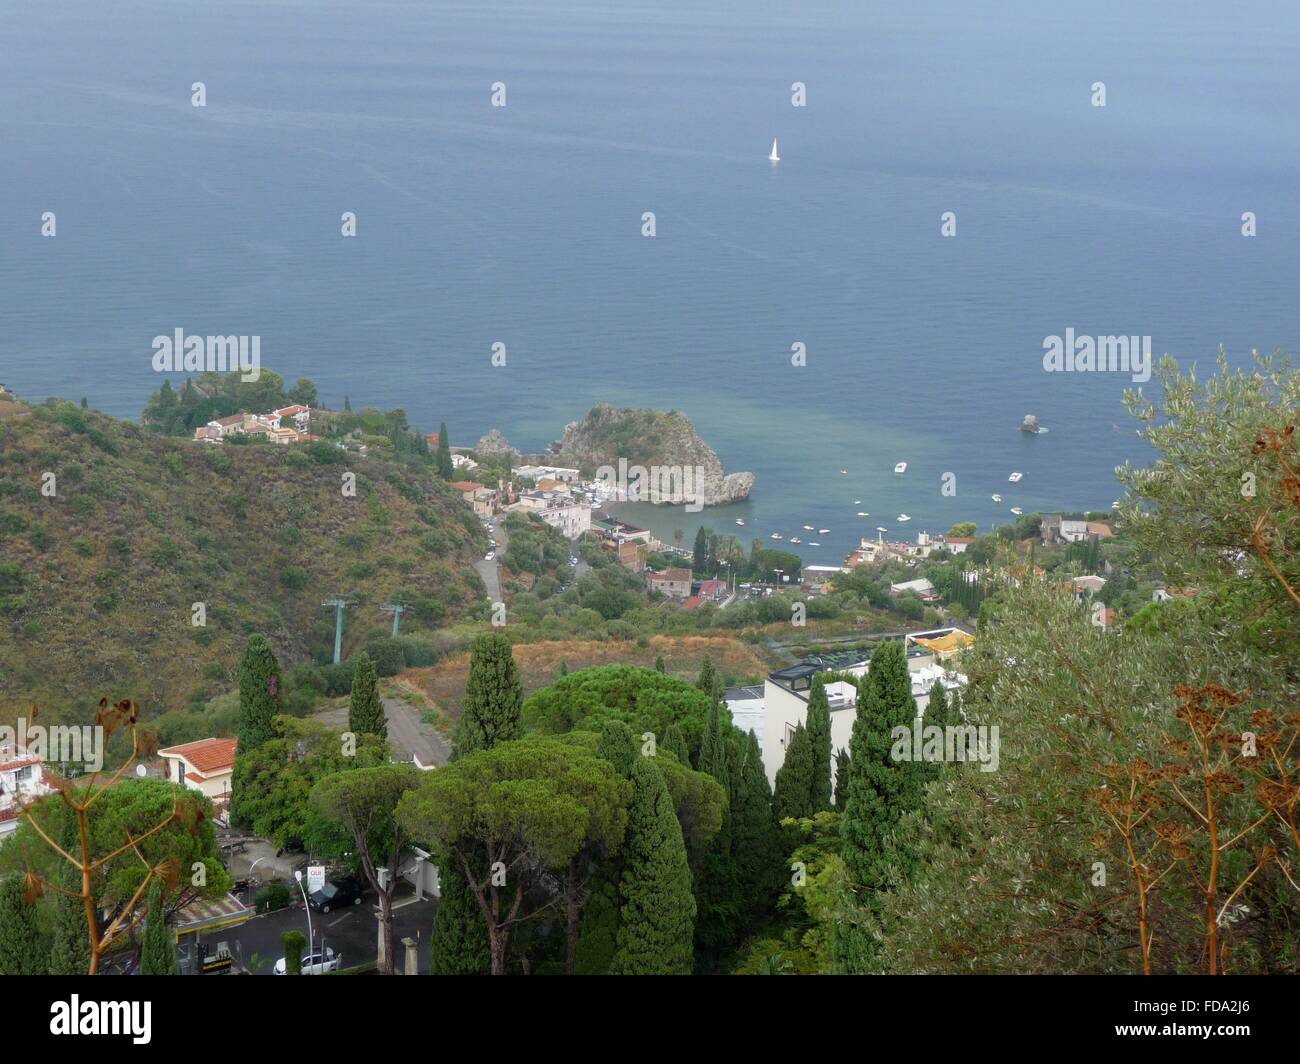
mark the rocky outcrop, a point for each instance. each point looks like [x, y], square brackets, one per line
[495, 443]
[650, 439]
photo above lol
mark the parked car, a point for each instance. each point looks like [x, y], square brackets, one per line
[335, 894]
[315, 963]
[489, 555]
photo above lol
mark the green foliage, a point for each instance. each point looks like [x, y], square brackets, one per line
[819, 741]
[794, 779]
[458, 943]
[643, 699]
[493, 697]
[22, 949]
[294, 943]
[158, 954]
[271, 897]
[842, 769]
[365, 711]
[656, 927]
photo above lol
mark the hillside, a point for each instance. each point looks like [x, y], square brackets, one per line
[97, 582]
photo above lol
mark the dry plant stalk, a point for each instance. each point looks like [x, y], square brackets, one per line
[79, 801]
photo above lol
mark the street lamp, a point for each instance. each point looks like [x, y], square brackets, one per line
[297, 874]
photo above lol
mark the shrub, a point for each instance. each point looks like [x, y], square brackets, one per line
[271, 897]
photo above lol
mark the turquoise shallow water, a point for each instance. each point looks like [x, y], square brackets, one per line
[523, 224]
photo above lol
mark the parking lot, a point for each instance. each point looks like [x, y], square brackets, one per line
[352, 932]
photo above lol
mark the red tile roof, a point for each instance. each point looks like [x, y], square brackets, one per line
[465, 485]
[206, 755]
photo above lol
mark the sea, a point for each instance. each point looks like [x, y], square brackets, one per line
[527, 225]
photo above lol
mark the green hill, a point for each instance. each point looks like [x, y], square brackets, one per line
[98, 581]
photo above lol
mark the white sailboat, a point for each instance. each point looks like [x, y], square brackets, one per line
[774, 157]
[901, 467]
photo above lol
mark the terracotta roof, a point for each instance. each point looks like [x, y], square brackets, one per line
[18, 758]
[692, 603]
[959, 539]
[672, 574]
[465, 485]
[206, 755]
[289, 411]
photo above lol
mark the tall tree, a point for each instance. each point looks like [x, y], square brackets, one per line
[657, 925]
[819, 739]
[793, 795]
[364, 803]
[365, 709]
[675, 740]
[158, 955]
[259, 702]
[22, 950]
[521, 811]
[444, 466]
[494, 697]
[458, 943]
[756, 842]
[842, 770]
[881, 793]
[701, 554]
[659, 663]
[70, 946]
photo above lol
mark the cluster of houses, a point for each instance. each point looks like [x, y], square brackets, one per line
[287, 425]
[775, 708]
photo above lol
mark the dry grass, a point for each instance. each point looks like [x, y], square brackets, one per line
[444, 683]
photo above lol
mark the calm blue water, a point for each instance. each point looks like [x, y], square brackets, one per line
[522, 224]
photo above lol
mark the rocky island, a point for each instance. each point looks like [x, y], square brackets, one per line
[640, 437]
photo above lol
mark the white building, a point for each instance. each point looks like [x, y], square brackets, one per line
[545, 472]
[786, 691]
[22, 780]
[207, 766]
[559, 510]
[1073, 531]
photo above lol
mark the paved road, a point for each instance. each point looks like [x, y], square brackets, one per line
[352, 932]
[488, 570]
[409, 735]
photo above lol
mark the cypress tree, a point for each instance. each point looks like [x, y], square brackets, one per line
[70, 948]
[564, 667]
[700, 557]
[841, 779]
[659, 663]
[365, 709]
[158, 956]
[881, 792]
[793, 795]
[494, 696]
[819, 739]
[458, 943]
[708, 681]
[493, 714]
[937, 711]
[756, 836]
[259, 693]
[618, 746]
[675, 740]
[719, 906]
[259, 701]
[657, 922]
[445, 468]
[22, 952]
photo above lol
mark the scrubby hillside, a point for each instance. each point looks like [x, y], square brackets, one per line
[98, 580]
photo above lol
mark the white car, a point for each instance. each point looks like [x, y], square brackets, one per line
[316, 963]
[489, 555]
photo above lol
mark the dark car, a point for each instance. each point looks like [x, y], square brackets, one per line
[335, 894]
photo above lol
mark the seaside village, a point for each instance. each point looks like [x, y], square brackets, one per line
[574, 506]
